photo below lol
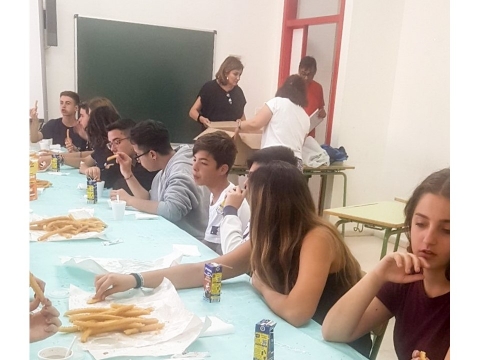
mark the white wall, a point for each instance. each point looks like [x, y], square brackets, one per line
[392, 110]
[250, 29]
[392, 104]
[36, 90]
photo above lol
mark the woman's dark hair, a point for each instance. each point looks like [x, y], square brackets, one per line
[151, 135]
[437, 183]
[83, 105]
[100, 101]
[294, 89]
[96, 129]
[229, 64]
[266, 155]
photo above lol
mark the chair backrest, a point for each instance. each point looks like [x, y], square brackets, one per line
[377, 337]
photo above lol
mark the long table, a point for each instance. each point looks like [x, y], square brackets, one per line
[149, 240]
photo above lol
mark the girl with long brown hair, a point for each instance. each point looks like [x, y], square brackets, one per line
[298, 262]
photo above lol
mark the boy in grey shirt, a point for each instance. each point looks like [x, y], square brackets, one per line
[174, 194]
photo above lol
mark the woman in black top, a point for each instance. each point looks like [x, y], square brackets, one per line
[221, 99]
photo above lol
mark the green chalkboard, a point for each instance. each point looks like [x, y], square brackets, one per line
[147, 71]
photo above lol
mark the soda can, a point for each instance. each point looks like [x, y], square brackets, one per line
[212, 282]
[263, 346]
[91, 191]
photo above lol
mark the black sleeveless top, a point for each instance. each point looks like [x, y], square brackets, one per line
[333, 291]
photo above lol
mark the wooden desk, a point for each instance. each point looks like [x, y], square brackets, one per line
[323, 171]
[384, 215]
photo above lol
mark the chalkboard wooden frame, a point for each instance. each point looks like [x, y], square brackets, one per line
[147, 71]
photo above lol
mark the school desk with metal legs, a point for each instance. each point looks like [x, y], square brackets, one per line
[383, 215]
[323, 171]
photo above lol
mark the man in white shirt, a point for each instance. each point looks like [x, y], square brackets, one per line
[232, 231]
[213, 157]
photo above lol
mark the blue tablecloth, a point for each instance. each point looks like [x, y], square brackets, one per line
[149, 240]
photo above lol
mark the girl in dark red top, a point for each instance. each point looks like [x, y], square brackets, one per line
[413, 286]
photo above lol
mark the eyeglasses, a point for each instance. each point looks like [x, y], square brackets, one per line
[229, 99]
[115, 142]
[139, 156]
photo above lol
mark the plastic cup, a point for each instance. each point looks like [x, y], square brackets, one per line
[54, 352]
[50, 142]
[100, 187]
[44, 144]
[118, 208]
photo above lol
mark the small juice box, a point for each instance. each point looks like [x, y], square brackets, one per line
[91, 191]
[263, 347]
[55, 164]
[212, 282]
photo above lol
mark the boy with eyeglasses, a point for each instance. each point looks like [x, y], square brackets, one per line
[119, 141]
[174, 194]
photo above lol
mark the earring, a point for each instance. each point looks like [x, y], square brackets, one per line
[227, 77]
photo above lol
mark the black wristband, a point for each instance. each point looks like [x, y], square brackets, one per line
[198, 117]
[138, 279]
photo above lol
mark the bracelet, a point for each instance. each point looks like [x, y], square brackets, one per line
[128, 178]
[139, 279]
[198, 117]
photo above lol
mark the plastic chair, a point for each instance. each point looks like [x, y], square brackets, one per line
[377, 337]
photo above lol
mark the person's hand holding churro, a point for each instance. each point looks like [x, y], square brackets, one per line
[125, 163]
[38, 287]
[69, 143]
[235, 197]
[44, 323]
[33, 114]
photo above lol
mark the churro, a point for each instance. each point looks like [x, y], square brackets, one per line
[36, 288]
[110, 158]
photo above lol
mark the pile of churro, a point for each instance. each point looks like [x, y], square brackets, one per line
[43, 183]
[128, 319]
[67, 226]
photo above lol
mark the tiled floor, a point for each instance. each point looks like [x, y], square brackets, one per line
[367, 251]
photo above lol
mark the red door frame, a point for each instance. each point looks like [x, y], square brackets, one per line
[290, 23]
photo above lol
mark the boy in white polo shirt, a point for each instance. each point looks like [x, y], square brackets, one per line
[213, 157]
